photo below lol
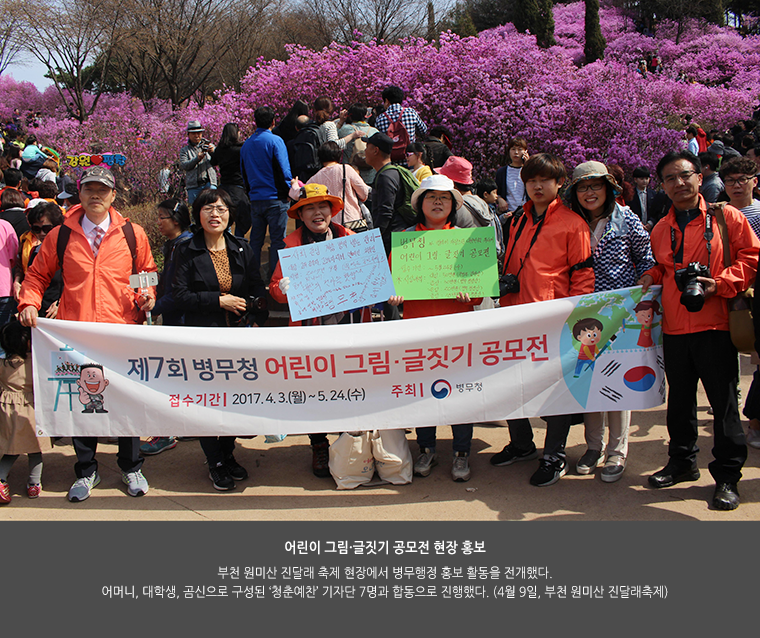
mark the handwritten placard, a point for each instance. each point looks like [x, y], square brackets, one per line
[438, 264]
[85, 159]
[337, 275]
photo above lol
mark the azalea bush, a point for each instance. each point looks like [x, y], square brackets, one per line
[486, 89]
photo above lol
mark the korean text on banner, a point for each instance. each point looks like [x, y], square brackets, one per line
[438, 264]
[337, 275]
[591, 353]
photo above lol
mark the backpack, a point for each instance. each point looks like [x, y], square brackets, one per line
[400, 136]
[302, 152]
[358, 155]
[409, 184]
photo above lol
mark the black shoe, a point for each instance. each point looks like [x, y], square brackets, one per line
[237, 471]
[320, 459]
[510, 454]
[221, 478]
[726, 496]
[670, 475]
[549, 472]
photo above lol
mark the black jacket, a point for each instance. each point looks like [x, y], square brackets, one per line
[196, 287]
[658, 205]
[228, 161]
[16, 217]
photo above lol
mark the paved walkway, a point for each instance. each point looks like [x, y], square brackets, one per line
[282, 487]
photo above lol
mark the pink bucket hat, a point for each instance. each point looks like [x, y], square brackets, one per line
[457, 169]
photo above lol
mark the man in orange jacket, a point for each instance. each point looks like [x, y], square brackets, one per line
[548, 256]
[101, 252]
[697, 345]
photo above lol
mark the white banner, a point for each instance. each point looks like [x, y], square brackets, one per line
[101, 379]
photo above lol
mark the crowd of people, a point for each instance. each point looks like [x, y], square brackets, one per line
[67, 253]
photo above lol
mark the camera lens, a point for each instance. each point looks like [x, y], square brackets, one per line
[693, 296]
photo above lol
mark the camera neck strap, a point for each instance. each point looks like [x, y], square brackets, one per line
[709, 234]
[520, 229]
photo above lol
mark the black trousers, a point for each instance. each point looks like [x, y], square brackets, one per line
[557, 429]
[709, 357]
[128, 457]
[217, 448]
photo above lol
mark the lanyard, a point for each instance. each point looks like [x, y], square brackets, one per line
[524, 222]
[708, 237]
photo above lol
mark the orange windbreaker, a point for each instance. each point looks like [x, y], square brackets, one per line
[562, 243]
[730, 281]
[94, 289]
[415, 308]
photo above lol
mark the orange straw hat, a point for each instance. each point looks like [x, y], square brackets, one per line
[313, 194]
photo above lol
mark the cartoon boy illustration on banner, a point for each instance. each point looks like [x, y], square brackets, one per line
[92, 383]
[588, 332]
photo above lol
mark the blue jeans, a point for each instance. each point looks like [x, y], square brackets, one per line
[462, 437]
[274, 214]
[192, 193]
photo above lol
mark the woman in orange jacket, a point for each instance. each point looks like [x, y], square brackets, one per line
[548, 256]
[315, 209]
[436, 202]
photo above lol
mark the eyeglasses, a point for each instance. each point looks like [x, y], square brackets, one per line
[45, 228]
[438, 198]
[589, 187]
[742, 181]
[684, 177]
[215, 209]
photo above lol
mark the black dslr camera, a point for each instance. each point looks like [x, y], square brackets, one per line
[204, 144]
[255, 312]
[692, 291]
[508, 283]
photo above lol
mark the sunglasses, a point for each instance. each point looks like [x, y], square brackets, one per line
[46, 228]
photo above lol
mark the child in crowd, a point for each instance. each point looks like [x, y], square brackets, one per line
[436, 202]
[487, 191]
[17, 429]
[511, 189]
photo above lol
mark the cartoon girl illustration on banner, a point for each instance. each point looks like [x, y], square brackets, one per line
[645, 312]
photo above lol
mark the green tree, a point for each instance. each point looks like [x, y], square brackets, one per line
[537, 17]
[487, 14]
[459, 21]
[679, 11]
[595, 43]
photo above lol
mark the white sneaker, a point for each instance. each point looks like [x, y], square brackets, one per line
[460, 470]
[137, 484]
[82, 487]
[753, 438]
[425, 462]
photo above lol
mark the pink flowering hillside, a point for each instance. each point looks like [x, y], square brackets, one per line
[486, 89]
